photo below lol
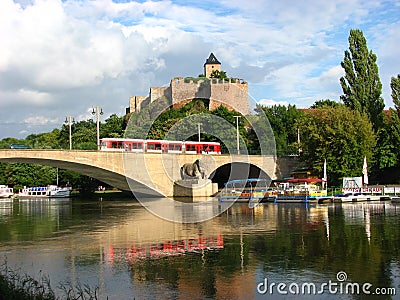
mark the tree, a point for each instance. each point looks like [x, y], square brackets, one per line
[395, 86]
[341, 136]
[113, 127]
[218, 74]
[283, 122]
[48, 140]
[388, 152]
[361, 85]
[324, 103]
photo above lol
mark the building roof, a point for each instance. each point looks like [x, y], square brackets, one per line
[212, 60]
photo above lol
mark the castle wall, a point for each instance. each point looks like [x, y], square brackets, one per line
[158, 92]
[182, 91]
[135, 103]
[234, 95]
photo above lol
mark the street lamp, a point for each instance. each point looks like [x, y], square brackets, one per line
[198, 129]
[69, 120]
[237, 133]
[97, 110]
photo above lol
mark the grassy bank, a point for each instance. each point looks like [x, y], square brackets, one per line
[18, 286]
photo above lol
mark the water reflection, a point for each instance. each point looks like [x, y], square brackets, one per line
[128, 252]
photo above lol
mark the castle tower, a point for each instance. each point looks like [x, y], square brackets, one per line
[211, 64]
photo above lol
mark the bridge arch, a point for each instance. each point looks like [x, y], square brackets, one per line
[236, 170]
[87, 164]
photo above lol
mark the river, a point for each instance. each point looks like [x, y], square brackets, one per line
[270, 251]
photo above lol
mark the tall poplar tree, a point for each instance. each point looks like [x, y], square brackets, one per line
[395, 113]
[361, 85]
[395, 86]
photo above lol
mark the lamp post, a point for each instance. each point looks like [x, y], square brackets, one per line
[97, 111]
[198, 130]
[237, 134]
[69, 120]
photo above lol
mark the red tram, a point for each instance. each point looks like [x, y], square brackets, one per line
[159, 146]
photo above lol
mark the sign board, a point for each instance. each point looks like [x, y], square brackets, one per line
[392, 190]
[352, 182]
[375, 190]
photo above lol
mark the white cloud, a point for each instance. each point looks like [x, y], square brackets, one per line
[60, 57]
[270, 102]
[41, 120]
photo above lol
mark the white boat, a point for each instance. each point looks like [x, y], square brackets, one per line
[5, 191]
[50, 191]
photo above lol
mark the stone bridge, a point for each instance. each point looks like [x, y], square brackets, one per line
[152, 173]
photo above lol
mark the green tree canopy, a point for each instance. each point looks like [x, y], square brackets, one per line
[283, 122]
[341, 136]
[218, 74]
[361, 85]
[324, 103]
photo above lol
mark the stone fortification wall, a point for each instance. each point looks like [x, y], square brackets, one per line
[231, 93]
[136, 103]
[158, 92]
[183, 90]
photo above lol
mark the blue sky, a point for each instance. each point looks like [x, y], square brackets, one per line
[60, 58]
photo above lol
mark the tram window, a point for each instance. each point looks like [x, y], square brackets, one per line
[171, 147]
[190, 148]
[211, 148]
[150, 146]
[158, 146]
[120, 145]
[134, 146]
[113, 145]
[139, 146]
[178, 147]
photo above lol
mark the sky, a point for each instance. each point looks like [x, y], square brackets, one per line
[60, 58]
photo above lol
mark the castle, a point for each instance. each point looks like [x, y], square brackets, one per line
[230, 92]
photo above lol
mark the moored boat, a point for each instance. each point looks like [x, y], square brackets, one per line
[245, 190]
[5, 191]
[298, 190]
[50, 191]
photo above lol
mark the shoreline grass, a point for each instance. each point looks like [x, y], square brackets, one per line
[18, 286]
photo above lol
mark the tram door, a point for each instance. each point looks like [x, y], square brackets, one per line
[199, 149]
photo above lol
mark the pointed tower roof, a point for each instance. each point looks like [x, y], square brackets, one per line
[212, 60]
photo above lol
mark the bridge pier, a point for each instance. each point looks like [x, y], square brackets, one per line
[194, 188]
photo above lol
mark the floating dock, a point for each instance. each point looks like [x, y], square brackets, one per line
[360, 198]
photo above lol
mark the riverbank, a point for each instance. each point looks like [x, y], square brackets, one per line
[14, 285]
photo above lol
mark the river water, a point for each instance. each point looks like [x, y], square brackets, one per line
[269, 251]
